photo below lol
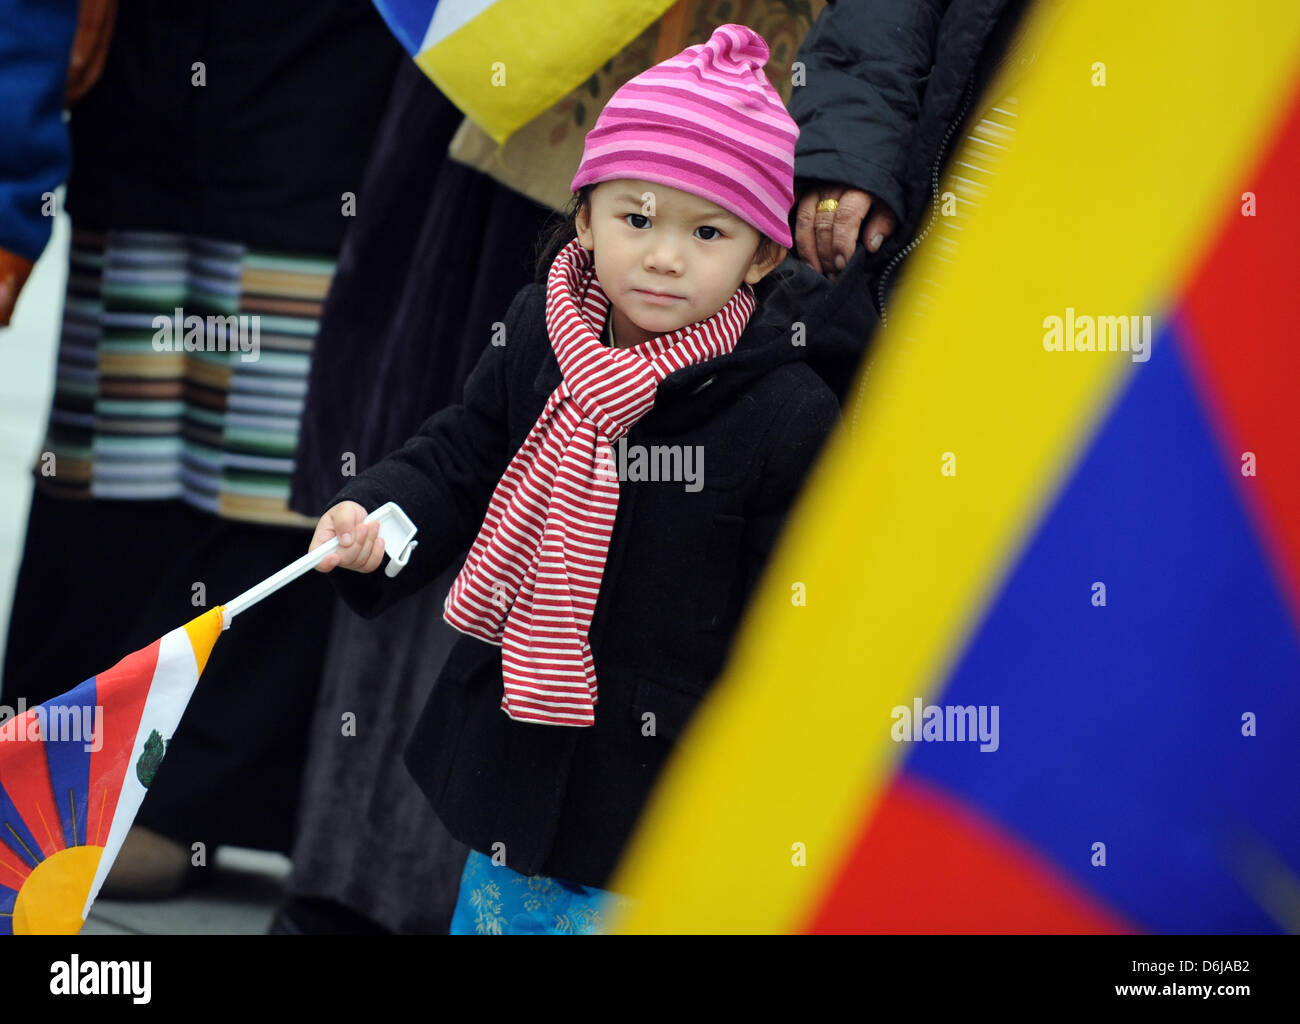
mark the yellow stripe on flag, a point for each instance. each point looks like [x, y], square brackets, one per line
[1102, 204]
[204, 632]
[521, 57]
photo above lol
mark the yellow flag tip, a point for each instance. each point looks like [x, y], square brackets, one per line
[204, 632]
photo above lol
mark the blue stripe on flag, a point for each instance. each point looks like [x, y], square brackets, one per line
[409, 20]
[15, 834]
[68, 758]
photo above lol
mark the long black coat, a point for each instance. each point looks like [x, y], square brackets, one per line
[680, 570]
[263, 151]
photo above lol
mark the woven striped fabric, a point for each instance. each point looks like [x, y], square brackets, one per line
[182, 371]
[532, 577]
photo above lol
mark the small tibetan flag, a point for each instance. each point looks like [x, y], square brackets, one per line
[503, 62]
[74, 771]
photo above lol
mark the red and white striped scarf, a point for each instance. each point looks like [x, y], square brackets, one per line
[532, 577]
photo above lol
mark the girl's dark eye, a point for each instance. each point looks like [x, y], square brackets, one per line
[642, 217]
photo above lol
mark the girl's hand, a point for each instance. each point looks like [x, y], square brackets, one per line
[361, 549]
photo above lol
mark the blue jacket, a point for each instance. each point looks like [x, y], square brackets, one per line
[35, 44]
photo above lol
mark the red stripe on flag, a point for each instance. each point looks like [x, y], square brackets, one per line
[1244, 344]
[13, 869]
[27, 780]
[926, 863]
[121, 691]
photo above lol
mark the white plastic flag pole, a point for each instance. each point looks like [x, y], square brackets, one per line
[394, 526]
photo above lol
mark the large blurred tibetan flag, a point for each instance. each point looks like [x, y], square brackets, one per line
[1043, 674]
[503, 62]
[74, 771]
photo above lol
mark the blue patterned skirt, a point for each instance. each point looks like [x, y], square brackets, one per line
[497, 900]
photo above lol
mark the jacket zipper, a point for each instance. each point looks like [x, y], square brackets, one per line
[899, 256]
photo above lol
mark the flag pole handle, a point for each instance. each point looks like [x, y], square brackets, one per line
[395, 527]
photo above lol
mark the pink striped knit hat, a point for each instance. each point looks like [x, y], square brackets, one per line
[708, 122]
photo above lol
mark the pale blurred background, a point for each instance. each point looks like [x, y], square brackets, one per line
[28, 345]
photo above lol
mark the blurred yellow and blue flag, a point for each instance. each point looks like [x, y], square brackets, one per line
[503, 62]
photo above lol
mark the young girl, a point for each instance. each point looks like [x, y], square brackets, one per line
[626, 450]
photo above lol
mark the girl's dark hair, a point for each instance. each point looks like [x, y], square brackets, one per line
[562, 228]
[558, 232]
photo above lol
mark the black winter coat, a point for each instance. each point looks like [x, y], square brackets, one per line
[680, 569]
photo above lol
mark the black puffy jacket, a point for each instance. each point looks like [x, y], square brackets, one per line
[889, 84]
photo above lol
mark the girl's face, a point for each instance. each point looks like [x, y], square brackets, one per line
[650, 238]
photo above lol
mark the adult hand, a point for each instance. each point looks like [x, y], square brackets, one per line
[826, 240]
[90, 46]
